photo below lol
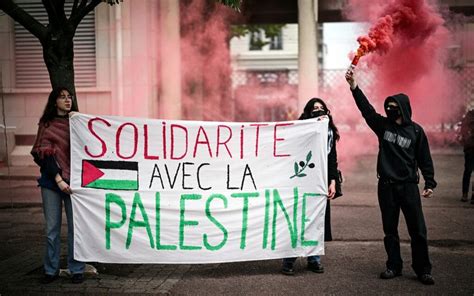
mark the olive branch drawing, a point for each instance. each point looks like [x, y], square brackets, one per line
[301, 166]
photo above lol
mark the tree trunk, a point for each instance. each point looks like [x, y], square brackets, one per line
[58, 54]
[57, 38]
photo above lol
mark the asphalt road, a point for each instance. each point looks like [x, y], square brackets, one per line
[352, 261]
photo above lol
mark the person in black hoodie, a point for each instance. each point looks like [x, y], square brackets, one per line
[403, 148]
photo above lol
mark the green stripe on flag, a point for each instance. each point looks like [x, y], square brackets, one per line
[114, 184]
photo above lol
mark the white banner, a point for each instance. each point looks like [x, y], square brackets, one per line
[164, 191]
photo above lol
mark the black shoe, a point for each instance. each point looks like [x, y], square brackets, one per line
[48, 278]
[390, 274]
[426, 279]
[315, 267]
[77, 278]
[287, 269]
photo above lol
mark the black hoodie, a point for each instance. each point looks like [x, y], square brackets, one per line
[403, 148]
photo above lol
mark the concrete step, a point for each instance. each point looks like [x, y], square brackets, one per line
[21, 156]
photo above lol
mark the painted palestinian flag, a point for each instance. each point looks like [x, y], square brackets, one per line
[114, 175]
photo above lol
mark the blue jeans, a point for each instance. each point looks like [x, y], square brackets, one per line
[52, 208]
[311, 259]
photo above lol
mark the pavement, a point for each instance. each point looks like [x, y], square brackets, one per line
[352, 261]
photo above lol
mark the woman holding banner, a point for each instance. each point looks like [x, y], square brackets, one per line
[51, 152]
[317, 108]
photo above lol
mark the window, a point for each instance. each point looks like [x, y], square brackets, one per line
[30, 70]
[276, 42]
[256, 40]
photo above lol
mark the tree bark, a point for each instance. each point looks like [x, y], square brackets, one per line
[58, 55]
[56, 38]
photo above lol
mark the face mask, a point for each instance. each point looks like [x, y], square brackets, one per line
[393, 114]
[318, 113]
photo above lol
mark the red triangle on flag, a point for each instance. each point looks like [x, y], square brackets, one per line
[90, 173]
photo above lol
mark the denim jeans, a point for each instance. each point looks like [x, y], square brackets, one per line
[52, 208]
[311, 259]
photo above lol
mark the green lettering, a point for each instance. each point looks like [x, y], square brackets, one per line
[183, 222]
[113, 198]
[133, 223]
[217, 223]
[159, 246]
[245, 196]
[267, 218]
[306, 243]
[291, 227]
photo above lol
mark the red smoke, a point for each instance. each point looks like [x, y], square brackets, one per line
[379, 37]
[205, 64]
[408, 40]
[405, 21]
[406, 51]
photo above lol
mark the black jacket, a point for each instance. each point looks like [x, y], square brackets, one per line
[332, 161]
[402, 148]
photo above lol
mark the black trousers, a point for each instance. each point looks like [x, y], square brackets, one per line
[405, 196]
[468, 166]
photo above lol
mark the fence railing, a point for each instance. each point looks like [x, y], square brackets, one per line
[333, 88]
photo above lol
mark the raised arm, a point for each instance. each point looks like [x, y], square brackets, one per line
[375, 121]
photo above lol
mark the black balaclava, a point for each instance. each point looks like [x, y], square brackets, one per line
[393, 113]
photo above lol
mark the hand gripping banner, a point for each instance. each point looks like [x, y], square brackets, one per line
[164, 191]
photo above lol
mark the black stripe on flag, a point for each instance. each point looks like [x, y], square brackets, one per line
[117, 165]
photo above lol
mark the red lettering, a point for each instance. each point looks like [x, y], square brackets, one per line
[201, 129]
[145, 142]
[172, 141]
[257, 135]
[275, 139]
[135, 140]
[102, 142]
[225, 142]
[241, 142]
[163, 131]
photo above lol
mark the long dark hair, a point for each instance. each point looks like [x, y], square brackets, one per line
[50, 109]
[308, 109]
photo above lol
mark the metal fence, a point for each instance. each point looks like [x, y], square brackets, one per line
[443, 133]
[333, 88]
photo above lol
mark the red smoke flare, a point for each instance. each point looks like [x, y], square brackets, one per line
[406, 20]
[408, 42]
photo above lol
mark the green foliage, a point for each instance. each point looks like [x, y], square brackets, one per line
[234, 4]
[271, 30]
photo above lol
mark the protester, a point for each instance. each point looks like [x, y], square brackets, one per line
[467, 140]
[403, 148]
[316, 108]
[51, 152]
